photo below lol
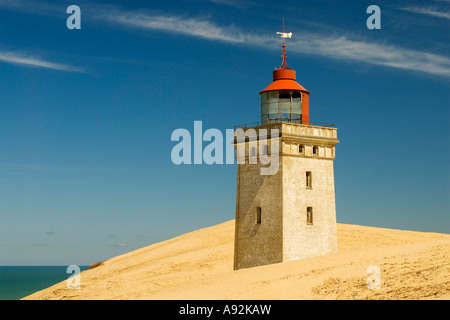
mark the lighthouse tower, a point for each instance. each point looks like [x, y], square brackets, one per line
[291, 213]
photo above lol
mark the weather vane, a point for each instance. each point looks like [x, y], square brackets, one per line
[284, 35]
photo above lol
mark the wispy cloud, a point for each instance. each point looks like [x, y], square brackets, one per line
[31, 61]
[372, 53]
[335, 47]
[34, 6]
[339, 47]
[430, 11]
[194, 27]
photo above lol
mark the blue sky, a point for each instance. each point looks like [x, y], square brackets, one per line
[86, 115]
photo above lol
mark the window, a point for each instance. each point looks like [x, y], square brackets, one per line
[309, 215]
[258, 215]
[273, 96]
[308, 180]
[285, 96]
[253, 152]
[301, 149]
[296, 96]
[265, 150]
[315, 150]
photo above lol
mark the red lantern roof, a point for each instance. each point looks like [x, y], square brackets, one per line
[284, 79]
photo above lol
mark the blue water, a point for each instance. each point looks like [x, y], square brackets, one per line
[17, 282]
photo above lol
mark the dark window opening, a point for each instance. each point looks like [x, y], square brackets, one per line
[308, 180]
[315, 150]
[265, 150]
[309, 215]
[258, 215]
[285, 96]
[296, 96]
[301, 149]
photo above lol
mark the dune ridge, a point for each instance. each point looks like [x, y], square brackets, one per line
[199, 265]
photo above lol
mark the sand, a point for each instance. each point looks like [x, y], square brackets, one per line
[199, 265]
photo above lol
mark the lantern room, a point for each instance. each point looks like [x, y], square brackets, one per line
[284, 100]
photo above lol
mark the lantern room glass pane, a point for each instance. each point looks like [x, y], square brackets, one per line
[264, 98]
[273, 107]
[272, 117]
[285, 107]
[273, 96]
[263, 118]
[296, 118]
[297, 96]
[264, 108]
[285, 96]
[296, 107]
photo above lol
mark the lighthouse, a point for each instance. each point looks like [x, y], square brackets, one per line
[290, 214]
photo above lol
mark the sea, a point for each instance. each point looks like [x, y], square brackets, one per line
[17, 282]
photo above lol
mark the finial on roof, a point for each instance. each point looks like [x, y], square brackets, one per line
[284, 35]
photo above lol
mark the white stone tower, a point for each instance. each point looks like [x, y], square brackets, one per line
[291, 213]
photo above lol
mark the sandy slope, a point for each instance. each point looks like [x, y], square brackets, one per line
[198, 265]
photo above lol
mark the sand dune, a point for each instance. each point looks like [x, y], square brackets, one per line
[199, 265]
